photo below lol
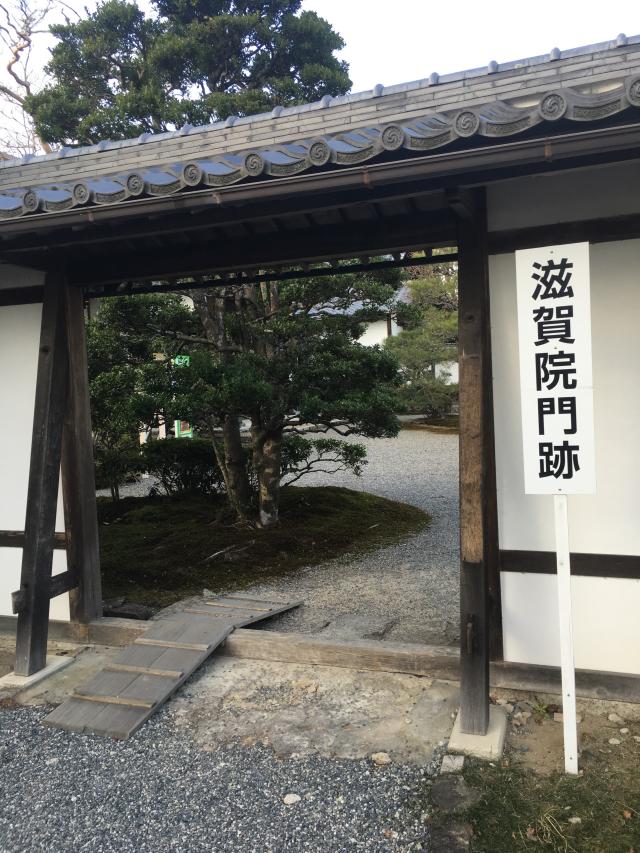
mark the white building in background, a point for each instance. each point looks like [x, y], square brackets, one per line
[378, 331]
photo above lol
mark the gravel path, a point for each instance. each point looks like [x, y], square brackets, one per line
[159, 792]
[406, 592]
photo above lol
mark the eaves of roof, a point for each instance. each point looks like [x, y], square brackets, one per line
[584, 85]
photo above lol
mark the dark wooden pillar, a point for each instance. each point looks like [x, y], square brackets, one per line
[78, 479]
[44, 475]
[478, 513]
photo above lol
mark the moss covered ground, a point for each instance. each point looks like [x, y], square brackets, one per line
[525, 808]
[157, 550]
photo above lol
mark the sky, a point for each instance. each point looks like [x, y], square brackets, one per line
[404, 40]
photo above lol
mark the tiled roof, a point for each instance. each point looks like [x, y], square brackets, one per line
[499, 101]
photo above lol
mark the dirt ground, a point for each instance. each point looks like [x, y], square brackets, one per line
[7, 654]
[295, 709]
[535, 731]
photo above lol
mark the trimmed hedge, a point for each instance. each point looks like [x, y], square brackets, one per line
[183, 465]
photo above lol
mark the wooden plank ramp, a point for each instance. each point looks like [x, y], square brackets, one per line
[122, 696]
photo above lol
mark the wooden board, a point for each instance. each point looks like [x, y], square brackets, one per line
[120, 698]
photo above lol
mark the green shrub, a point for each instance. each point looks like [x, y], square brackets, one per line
[183, 465]
[116, 464]
[427, 396]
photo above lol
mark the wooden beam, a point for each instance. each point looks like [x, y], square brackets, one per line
[59, 584]
[478, 513]
[21, 296]
[44, 475]
[15, 539]
[375, 656]
[604, 230]
[78, 479]
[584, 565]
[290, 247]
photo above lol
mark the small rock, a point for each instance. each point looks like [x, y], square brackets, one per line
[452, 764]
[624, 731]
[615, 718]
[614, 741]
[291, 799]
[129, 611]
[575, 820]
[390, 833]
[452, 794]
[558, 717]
[381, 758]
[636, 738]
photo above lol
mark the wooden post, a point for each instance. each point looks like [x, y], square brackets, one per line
[44, 475]
[478, 513]
[78, 479]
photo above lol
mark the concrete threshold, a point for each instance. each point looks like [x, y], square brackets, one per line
[440, 662]
[21, 682]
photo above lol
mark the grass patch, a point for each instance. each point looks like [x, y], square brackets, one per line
[445, 424]
[154, 550]
[522, 810]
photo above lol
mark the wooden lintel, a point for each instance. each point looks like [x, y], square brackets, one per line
[291, 247]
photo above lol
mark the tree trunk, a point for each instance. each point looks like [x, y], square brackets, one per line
[267, 456]
[233, 464]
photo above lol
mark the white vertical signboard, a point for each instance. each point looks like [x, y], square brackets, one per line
[554, 330]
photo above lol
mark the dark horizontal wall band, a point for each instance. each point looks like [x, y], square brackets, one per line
[604, 230]
[587, 565]
[21, 296]
[15, 539]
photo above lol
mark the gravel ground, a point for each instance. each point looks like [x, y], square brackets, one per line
[406, 592]
[159, 792]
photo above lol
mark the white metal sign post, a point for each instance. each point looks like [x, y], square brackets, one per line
[554, 330]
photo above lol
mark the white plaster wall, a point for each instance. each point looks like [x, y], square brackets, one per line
[11, 277]
[605, 610]
[376, 333]
[448, 370]
[605, 621]
[568, 197]
[19, 338]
